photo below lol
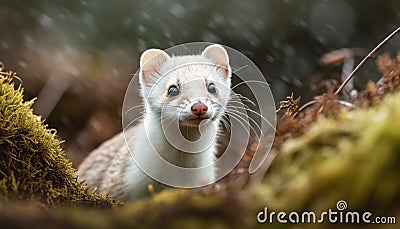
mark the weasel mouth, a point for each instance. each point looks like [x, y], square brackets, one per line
[193, 117]
[195, 120]
[198, 118]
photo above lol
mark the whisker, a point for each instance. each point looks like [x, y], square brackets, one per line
[134, 107]
[170, 105]
[169, 122]
[258, 114]
[246, 99]
[250, 81]
[239, 102]
[134, 120]
[236, 70]
[240, 120]
[250, 119]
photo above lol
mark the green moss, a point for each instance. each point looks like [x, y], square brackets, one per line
[354, 157]
[169, 209]
[32, 163]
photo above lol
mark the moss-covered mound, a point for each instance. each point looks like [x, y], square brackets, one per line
[32, 163]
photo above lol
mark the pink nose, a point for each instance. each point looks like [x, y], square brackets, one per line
[199, 108]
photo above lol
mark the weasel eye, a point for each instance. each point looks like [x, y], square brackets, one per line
[212, 88]
[173, 91]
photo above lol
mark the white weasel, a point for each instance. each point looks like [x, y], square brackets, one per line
[191, 91]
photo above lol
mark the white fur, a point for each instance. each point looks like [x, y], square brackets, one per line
[158, 71]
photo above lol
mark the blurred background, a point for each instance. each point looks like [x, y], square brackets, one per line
[77, 56]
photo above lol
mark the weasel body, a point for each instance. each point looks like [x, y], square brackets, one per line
[185, 98]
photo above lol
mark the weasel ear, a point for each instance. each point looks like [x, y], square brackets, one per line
[150, 64]
[219, 56]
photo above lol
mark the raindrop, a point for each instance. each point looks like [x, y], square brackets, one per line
[321, 39]
[276, 43]
[22, 64]
[218, 19]
[167, 35]
[177, 10]
[289, 51]
[84, 3]
[327, 27]
[29, 42]
[296, 82]
[145, 15]
[72, 70]
[115, 72]
[270, 59]
[141, 45]
[303, 23]
[171, 43]
[4, 45]
[155, 42]
[82, 36]
[287, 2]
[141, 28]
[45, 21]
[258, 25]
[254, 41]
[210, 37]
[88, 20]
[285, 79]
[127, 22]
[248, 52]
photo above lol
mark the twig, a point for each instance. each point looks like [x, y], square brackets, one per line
[8, 74]
[309, 103]
[370, 54]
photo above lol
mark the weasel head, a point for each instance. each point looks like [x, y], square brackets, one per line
[191, 88]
